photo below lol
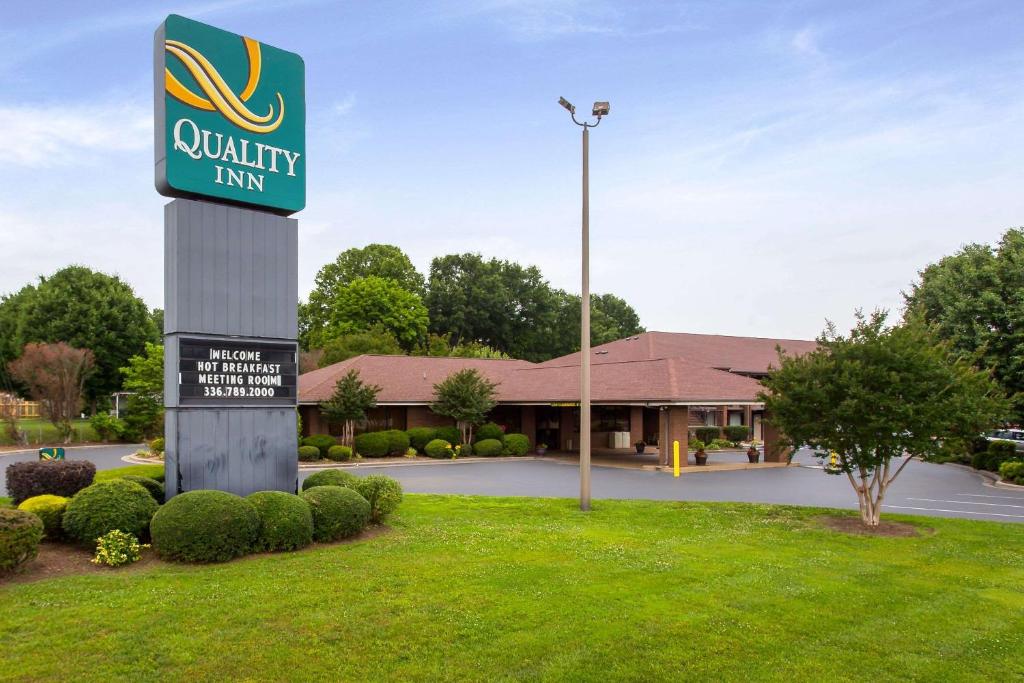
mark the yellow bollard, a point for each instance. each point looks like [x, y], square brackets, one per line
[675, 458]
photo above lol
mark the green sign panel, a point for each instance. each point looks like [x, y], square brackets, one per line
[230, 118]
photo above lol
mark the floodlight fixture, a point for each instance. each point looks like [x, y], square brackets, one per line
[567, 104]
[601, 109]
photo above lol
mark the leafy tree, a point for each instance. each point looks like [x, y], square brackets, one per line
[878, 394]
[12, 322]
[349, 403]
[975, 300]
[438, 345]
[87, 310]
[144, 378]
[55, 375]
[158, 321]
[374, 340]
[365, 303]
[611, 318]
[465, 396]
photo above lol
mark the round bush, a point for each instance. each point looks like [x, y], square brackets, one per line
[322, 442]
[54, 477]
[308, 453]
[488, 447]
[286, 522]
[339, 453]
[737, 433]
[398, 442]
[517, 444]
[451, 434]
[204, 526]
[155, 488]
[107, 505]
[338, 512]
[489, 430]
[1012, 471]
[329, 478]
[372, 444]
[20, 534]
[49, 509]
[438, 448]
[419, 437]
[157, 445]
[382, 493]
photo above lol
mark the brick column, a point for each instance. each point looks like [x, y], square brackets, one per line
[636, 424]
[528, 423]
[723, 417]
[675, 426]
[773, 450]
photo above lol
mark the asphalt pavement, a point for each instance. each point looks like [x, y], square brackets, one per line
[922, 489]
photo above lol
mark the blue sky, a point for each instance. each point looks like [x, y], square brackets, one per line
[766, 165]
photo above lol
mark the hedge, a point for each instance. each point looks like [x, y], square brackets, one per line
[398, 442]
[382, 493]
[309, 453]
[736, 433]
[707, 434]
[50, 510]
[155, 488]
[1012, 471]
[488, 447]
[489, 430]
[329, 478]
[450, 433]
[321, 442]
[285, 521]
[204, 526]
[419, 437]
[517, 444]
[54, 477]
[998, 452]
[338, 512]
[339, 453]
[438, 448]
[372, 444]
[20, 534]
[107, 505]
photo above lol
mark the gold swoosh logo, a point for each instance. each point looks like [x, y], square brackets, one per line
[218, 95]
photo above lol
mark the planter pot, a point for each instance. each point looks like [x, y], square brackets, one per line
[640, 447]
[753, 456]
[541, 451]
[701, 458]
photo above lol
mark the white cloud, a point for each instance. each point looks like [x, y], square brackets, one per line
[59, 135]
[345, 105]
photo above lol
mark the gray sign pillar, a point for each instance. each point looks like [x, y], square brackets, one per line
[230, 351]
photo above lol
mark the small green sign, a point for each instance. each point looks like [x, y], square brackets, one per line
[230, 117]
[51, 454]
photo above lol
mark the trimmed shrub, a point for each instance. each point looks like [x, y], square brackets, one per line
[204, 526]
[117, 548]
[309, 453]
[321, 442]
[718, 444]
[489, 430]
[488, 447]
[49, 509]
[382, 493]
[419, 437]
[116, 504]
[106, 426]
[285, 521]
[54, 477]
[338, 512]
[517, 444]
[398, 442]
[451, 434]
[329, 478]
[1012, 471]
[707, 434]
[372, 444]
[998, 452]
[736, 433]
[157, 445]
[339, 453]
[20, 534]
[438, 448]
[155, 488]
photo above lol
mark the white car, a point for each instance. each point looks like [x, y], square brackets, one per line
[1014, 435]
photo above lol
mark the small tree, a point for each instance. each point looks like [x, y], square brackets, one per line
[144, 379]
[349, 403]
[877, 395]
[465, 396]
[55, 375]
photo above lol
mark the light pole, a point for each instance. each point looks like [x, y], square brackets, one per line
[600, 109]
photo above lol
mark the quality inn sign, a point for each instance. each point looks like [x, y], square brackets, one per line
[230, 118]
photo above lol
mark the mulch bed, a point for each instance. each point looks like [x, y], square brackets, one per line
[853, 525]
[64, 559]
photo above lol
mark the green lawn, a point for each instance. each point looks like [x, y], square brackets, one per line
[471, 588]
[43, 433]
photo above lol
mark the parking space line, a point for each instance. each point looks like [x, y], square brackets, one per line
[966, 502]
[982, 495]
[961, 512]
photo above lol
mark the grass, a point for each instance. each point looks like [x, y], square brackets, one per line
[151, 471]
[502, 589]
[43, 433]
[5, 502]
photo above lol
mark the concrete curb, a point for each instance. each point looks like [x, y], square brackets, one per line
[413, 463]
[94, 445]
